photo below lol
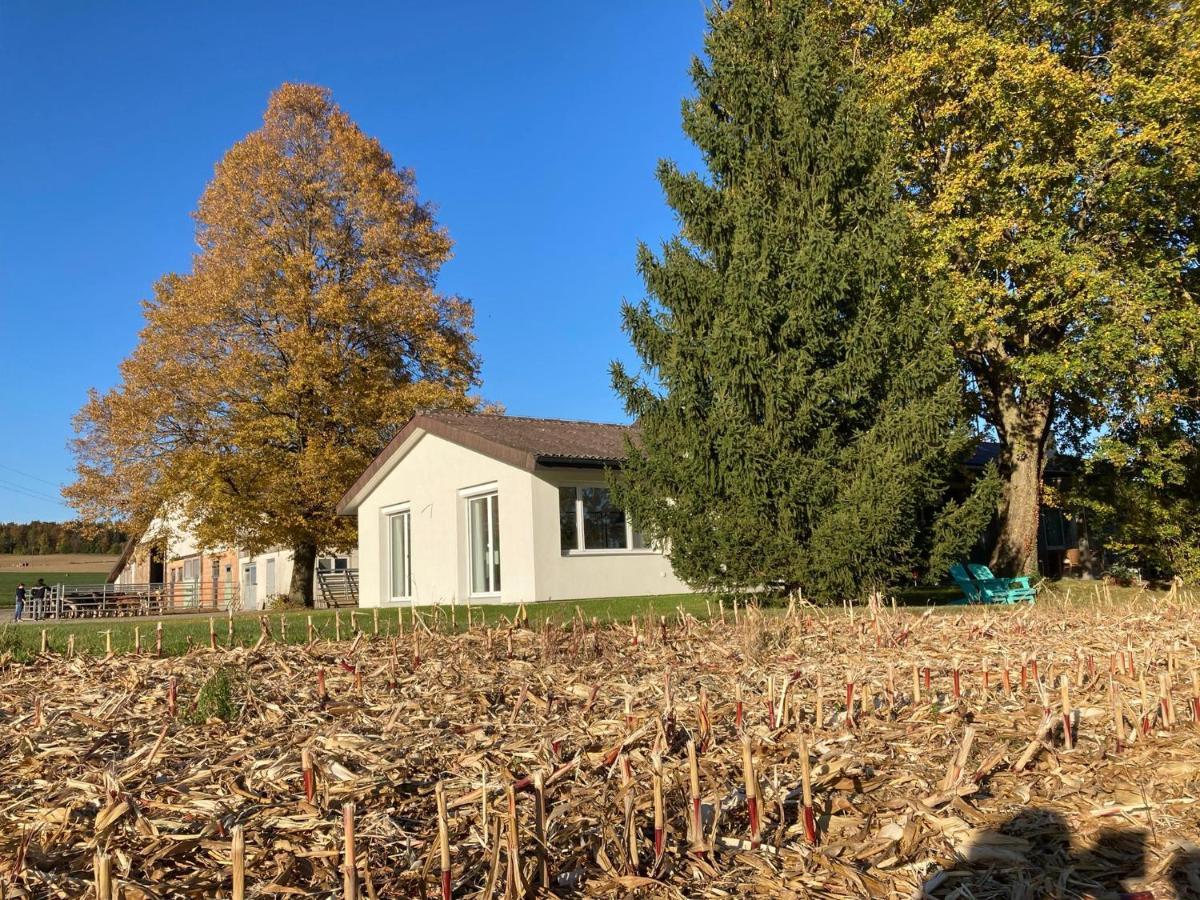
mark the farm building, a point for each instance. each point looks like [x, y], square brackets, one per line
[499, 509]
[168, 560]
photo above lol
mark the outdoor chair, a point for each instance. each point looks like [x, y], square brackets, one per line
[979, 585]
[1014, 589]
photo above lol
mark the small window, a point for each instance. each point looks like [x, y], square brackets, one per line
[400, 544]
[568, 522]
[603, 522]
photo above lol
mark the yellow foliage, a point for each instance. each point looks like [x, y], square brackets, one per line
[308, 331]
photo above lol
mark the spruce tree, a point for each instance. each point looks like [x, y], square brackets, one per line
[799, 407]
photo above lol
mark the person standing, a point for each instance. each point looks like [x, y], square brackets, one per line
[38, 595]
[20, 605]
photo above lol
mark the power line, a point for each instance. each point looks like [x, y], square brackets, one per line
[28, 492]
[53, 484]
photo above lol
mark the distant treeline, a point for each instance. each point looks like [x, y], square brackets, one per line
[59, 537]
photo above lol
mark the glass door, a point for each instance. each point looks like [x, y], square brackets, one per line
[483, 526]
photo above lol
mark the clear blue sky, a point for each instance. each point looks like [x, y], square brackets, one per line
[534, 127]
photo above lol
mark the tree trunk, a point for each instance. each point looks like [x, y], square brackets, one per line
[304, 561]
[1024, 433]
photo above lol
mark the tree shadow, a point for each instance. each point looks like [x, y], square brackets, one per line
[1032, 856]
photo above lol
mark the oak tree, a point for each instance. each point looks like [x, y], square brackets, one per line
[309, 328]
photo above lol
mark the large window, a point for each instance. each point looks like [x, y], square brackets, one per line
[589, 520]
[400, 544]
[483, 543]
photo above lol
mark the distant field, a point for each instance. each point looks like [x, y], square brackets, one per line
[51, 562]
[57, 568]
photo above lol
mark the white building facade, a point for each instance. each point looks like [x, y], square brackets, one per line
[499, 509]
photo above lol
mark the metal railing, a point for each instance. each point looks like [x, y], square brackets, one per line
[76, 601]
[337, 588]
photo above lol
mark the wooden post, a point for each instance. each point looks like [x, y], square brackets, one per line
[375, 621]
[955, 679]
[229, 626]
[158, 638]
[237, 858]
[282, 629]
[320, 684]
[337, 625]
[310, 630]
[349, 859]
[108, 643]
[212, 633]
[444, 838]
[738, 706]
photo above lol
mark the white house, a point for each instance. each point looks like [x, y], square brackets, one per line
[498, 509]
[266, 574]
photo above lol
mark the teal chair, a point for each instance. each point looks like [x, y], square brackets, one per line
[1002, 590]
[970, 589]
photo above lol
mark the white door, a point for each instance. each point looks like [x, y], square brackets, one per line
[250, 586]
[483, 544]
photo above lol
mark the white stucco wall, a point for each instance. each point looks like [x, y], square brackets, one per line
[590, 574]
[433, 479]
[257, 598]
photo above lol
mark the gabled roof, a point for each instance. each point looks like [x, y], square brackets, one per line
[526, 443]
[126, 554]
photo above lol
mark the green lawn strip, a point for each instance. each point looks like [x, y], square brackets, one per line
[10, 578]
[25, 640]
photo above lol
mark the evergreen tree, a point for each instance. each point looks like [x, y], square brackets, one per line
[800, 412]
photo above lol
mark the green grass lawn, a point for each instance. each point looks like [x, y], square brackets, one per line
[25, 639]
[10, 578]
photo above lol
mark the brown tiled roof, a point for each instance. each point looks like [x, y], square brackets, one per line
[517, 440]
[550, 440]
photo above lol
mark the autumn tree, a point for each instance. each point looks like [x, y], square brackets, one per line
[1049, 157]
[800, 412]
[308, 330]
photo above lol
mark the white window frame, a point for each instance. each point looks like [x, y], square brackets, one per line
[579, 548]
[406, 595]
[466, 496]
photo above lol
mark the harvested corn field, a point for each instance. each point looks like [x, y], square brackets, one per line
[1032, 752]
